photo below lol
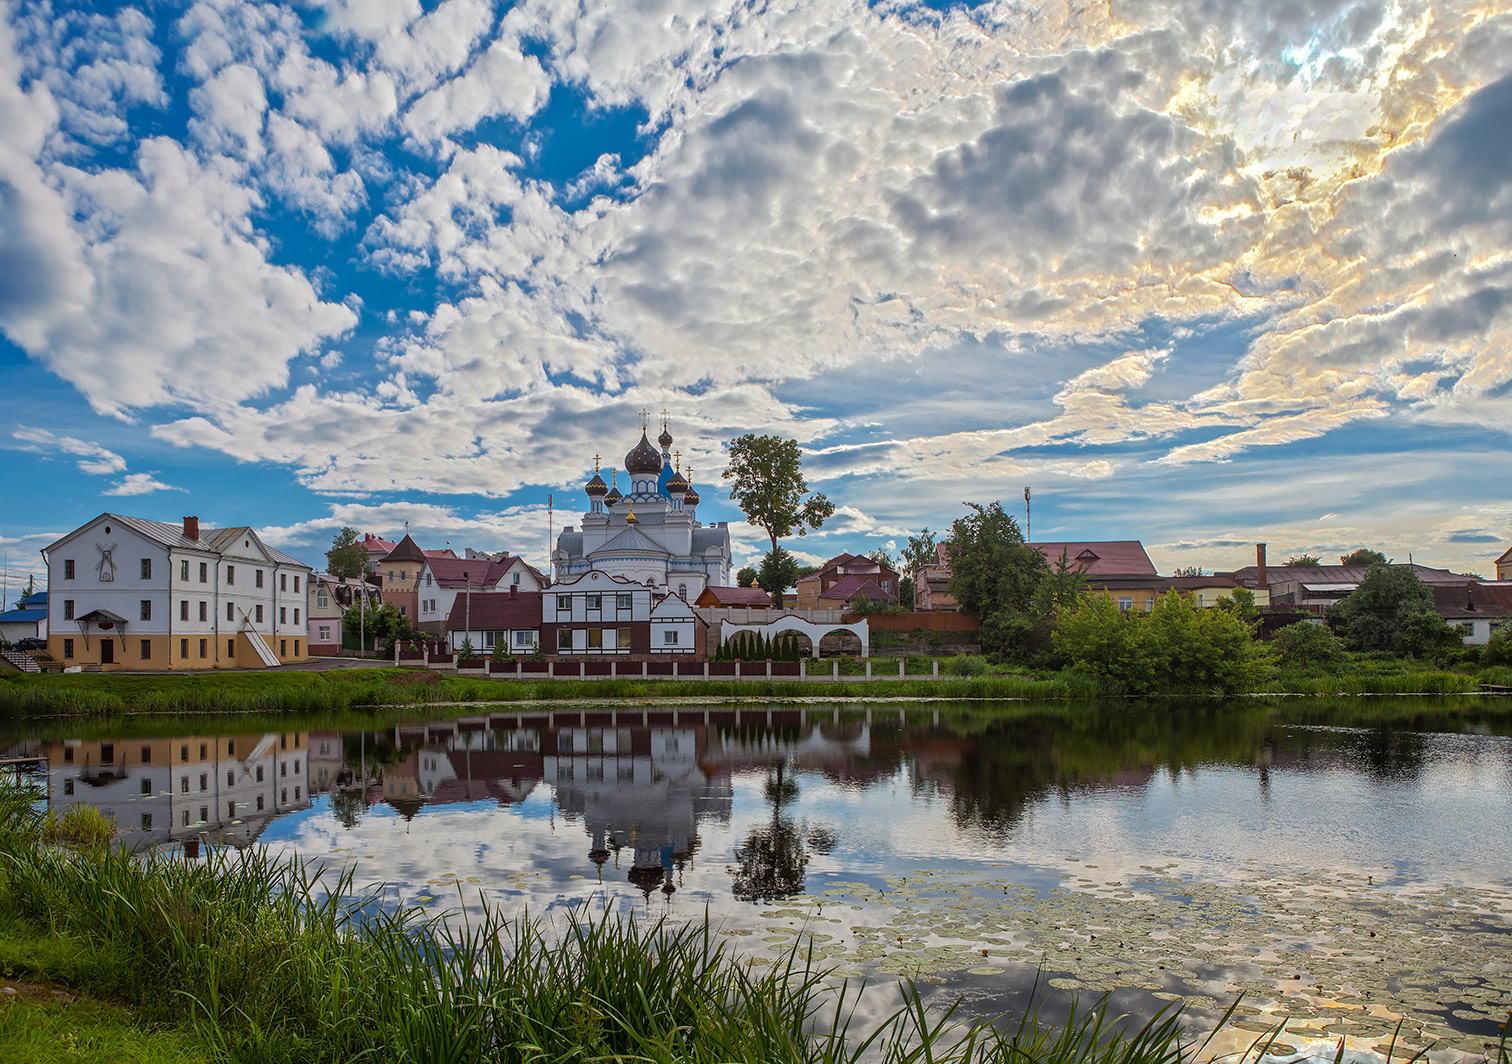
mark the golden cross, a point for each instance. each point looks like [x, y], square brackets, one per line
[595, 463]
[645, 416]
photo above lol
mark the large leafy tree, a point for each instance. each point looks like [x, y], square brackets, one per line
[769, 488]
[779, 570]
[919, 552]
[996, 576]
[348, 558]
[1389, 610]
[1304, 561]
[1362, 556]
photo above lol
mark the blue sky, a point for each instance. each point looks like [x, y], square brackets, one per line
[1201, 273]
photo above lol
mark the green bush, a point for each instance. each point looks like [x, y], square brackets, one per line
[1307, 645]
[966, 665]
[1498, 652]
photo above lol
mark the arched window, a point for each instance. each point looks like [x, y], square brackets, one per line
[682, 592]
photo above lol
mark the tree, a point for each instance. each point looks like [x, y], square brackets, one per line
[1363, 556]
[745, 577]
[1241, 603]
[1498, 650]
[919, 552]
[1304, 561]
[1307, 645]
[1190, 570]
[770, 490]
[1175, 647]
[779, 570]
[995, 576]
[1372, 616]
[348, 558]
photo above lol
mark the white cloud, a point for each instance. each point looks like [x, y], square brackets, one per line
[139, 484]
[95, 460]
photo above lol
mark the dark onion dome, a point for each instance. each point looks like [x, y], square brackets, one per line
[690, 497]
[596, 486]
[678, 482]
[665, 439]
[613, 497]
[643, 458]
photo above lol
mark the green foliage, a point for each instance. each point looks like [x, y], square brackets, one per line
[500, 654]
[1174, 648]
[770, 489]
[1375, 614]
[347, 558]
[466, 650]
[966, 665]
[779, 571]
[1241, 603]
[1190, 570]
[1304, 561]
[863, 606]
[745, 577]
[995, 576]
[1497, 653]
[1306, 645]
[920, 551]
[1363, 556]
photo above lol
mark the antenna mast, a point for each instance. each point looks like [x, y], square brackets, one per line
[1028, 527]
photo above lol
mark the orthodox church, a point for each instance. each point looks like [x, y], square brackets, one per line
[651, 534]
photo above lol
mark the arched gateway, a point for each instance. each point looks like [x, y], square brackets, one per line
[814, 630]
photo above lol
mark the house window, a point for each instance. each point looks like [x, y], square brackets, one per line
[146, 755]
[257, 578]
[325, 633]
[230, 611]
[682, 592]
[522, 639]
[283, 615]
[68, 786]
[183, 784]
[230, 810]
[184, 570]
[230, 648]
[186, 818]
[146, 821]
[322, 600]
[230, 574]
[624, 601]
[564, 604]
[204, 610]
[515, 579]
[296, 794]
[259, 773]
[1126, 604]
[204, 572]
[403, 611]
[184, 755]
[296, 585]
[68, 648]
[669, 637]
[146, 609]
[146, 650]
[283, 648]
[204, 814]
[203, 647]
[146, 785]
[622, 639]
[68, 609]
[259, 613]
[68, 568]
[403, 575]
[593, 602]
[283, 581]
[427, 578]
[184, 648]
[204, 783]
[183, 609]
[230, 747]
[1149, 603]
[596, 638]
[391, 576]
[230, 779]
[146, 568]
[564, 639]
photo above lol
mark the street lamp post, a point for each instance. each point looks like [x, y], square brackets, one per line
[467, 609]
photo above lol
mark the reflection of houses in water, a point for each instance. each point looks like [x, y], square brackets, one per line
[639, 789]
[447, 764]
[226, 788]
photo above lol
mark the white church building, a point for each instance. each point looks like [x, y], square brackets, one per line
[650, 535]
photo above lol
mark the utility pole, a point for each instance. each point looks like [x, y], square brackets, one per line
[550, 536]
[1028, 528]
[467, 611]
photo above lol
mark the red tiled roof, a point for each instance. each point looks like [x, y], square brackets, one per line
[495, 609]
[734, 596]
[480, 572]
[1507, 557]
[849, 587]
[444, 553]
[1115, 557]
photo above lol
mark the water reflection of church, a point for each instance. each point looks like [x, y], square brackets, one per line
[188, 789]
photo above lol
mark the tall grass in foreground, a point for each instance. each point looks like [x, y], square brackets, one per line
[263, 964]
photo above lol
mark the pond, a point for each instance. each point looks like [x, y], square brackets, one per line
[1343, 866]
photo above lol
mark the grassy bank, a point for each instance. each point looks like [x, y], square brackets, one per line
[238, 957]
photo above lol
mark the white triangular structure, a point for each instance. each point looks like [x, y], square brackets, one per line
[264, 651]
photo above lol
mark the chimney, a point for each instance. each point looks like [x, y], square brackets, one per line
[514, 589]
[191, 528]
[1260, 564]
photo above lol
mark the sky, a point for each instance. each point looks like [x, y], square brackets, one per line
[1199, 273]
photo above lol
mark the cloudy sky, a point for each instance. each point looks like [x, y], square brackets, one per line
[1199, 272]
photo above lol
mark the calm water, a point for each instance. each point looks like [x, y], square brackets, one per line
[1342, 876]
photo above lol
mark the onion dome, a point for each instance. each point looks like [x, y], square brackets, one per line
[665, 439]
[690, 496]
[678, 482]
[643, 458]
[596, 487]
[630, 518]
[614, 495]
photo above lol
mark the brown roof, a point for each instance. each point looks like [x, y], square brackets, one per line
[1507, 557]
[1472, 600]
[1114, 557]
[733, 596]
[1336, 574]
[481, 572]
[1192, 583]
[848, 588]
[495, 609]
[407, 550]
